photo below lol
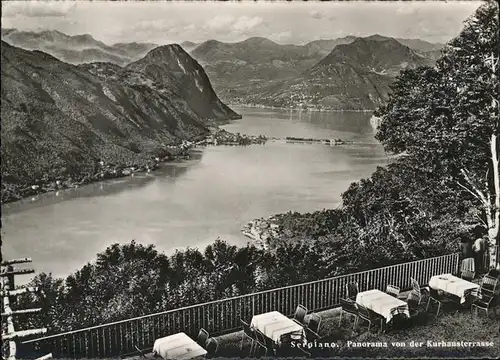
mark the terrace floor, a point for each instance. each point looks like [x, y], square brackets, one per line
[419, 340]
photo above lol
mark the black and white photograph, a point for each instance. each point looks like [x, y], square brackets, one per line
[250, 179]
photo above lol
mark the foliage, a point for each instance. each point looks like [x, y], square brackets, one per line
[307, 225]
[132, 280]
[446, 120]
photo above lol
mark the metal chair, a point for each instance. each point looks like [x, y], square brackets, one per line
[142, 353]
[352, 290]
[248, 333]
[368, 316]
[399, 318]
[300, 314]
[285, 346]
[494, 273]
[287, 350]
[202, 337]
[440, 299]
[349, 307]
[412, 300]
[416, 289]
[482, 302]
[312, 329]
[265, 342]
[260, 341]
[211, 347]
[392, 290]
[489, 284]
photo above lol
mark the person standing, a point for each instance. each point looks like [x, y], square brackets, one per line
[479, 248]
[466, 247]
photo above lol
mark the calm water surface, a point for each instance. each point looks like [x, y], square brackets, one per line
[191, 203]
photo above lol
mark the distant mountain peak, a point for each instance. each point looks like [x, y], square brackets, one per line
[165, 52]
[212, 42]
[84, 37]
[381, 55]
[377, 37]
[188, 43]
[258, 39]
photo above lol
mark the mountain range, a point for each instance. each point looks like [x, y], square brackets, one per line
[77, 49]
[60, 120]
[348, 73]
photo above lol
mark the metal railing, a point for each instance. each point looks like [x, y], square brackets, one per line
[223, 316]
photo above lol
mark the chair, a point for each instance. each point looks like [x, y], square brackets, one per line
[369, 316]
[260, 341]
[287, 350]
[265, 342]
[142, 354]
[467, 269]
[467, 275]
[202, 337]
[482, 302]
[312, 329]
[413, 301]
[469, 296]
[392, 290]
[249, 333]
[416, 289]
[285, 346]
[399, 318]
[211, 347]
[494, 273]
[489, 284]
[440, 299]
[352, 290]
[348, 307]
[300, 314]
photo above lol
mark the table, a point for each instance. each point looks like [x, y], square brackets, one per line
[381, 303]
[274, 324]
[452, 285]
[178, 346]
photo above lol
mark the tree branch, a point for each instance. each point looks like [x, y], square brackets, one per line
[474, 187]
[468, 190]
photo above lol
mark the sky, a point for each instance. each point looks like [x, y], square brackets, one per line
[284, 22]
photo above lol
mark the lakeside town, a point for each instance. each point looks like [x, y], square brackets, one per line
[105, 171]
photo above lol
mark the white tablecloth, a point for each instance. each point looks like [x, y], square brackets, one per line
[274, 324]
[381, 303]
[452, 285]
[178, 346]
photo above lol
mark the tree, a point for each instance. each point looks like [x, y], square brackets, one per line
[445, 119]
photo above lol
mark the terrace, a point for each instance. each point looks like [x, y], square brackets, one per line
[222, 320]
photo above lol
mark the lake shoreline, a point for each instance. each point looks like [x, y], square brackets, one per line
[215, 137]
[261, 231]
[256, 106]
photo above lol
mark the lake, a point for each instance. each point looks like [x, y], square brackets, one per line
[192, 202]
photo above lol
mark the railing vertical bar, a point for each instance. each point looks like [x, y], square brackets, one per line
[104, 338]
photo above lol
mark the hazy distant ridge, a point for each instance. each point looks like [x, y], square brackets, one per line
[77, 49]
